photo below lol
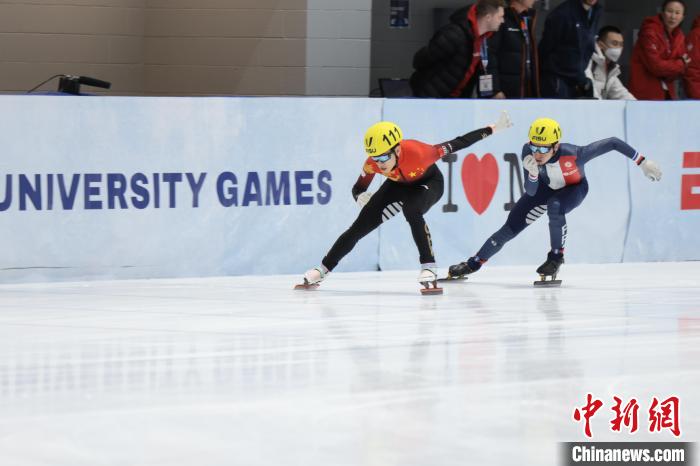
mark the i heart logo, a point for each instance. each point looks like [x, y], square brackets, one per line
[479, 179]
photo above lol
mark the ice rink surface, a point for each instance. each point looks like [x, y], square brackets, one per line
[363, 371]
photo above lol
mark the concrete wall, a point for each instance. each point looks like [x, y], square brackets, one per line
[100, 38]
[190, 47]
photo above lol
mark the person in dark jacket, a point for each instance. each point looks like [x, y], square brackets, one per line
[513, 58]
[566, 48]
[659, 57]
[456, 58]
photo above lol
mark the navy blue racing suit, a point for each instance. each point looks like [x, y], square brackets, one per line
[558, 189]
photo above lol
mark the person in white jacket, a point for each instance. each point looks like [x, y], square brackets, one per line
[603, 68]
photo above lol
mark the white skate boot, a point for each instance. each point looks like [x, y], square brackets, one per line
[313, 278]
[428, 276]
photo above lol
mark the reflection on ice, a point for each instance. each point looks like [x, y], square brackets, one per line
[364, 370]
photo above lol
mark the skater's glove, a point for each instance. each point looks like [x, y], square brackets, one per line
[530, 164]
[651, 170]
[363, 198]
[502, 123]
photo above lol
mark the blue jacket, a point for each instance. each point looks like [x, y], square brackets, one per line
[566, 167]
[568, 40]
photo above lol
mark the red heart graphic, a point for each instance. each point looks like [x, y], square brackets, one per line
[480, 179]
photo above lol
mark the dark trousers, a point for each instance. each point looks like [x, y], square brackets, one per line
[556, 203]
[414, 200]
[556, 87]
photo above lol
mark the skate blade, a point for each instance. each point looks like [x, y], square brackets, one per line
[459, 278]
[428, 290]
[306, 287]
[547, 283]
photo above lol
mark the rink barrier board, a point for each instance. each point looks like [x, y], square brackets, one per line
[133, 187]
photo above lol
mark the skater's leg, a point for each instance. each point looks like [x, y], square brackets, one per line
[563, 202]
[383, 205]
[417, 200]
[526, 211]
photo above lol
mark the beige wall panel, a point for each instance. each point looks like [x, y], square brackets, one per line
[201, 51]
[293, 80]
[215, 23]
[295, 24]
[53, 48]
[20, 77]
[23, 76]
[229, 4]
[197, 80]
[125, 79]
[282, 52]
[189, 47]
[105, 3]
[70, 19]
[125, 49]
[260, 81]
[174, 80]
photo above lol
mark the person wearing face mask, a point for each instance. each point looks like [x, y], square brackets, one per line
[413, 185]
[603, 68]
[692, 74]
[555, 184]
[659, 58]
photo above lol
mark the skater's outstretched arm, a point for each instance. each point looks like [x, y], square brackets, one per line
[651, 170]
[466, 140]
[594, 149]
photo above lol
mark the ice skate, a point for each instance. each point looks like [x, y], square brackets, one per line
[428, 277]
[461, 270]
[548, 271]
[312, 278]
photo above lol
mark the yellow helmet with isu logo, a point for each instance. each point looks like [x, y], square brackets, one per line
[544, 132]
[381, 137]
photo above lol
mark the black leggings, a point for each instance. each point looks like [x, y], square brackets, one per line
[413, 199]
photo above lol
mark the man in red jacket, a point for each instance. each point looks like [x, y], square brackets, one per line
[453, 64]
[692, 73]
[659, 58]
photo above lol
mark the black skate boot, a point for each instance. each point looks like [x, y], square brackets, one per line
[550, 268]
[461, 270]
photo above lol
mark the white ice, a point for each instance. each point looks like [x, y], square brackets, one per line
[363, 371]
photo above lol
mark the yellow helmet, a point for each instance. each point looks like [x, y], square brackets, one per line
[381, 137]
[544, 132]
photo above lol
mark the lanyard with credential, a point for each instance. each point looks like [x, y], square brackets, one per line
[484, 54]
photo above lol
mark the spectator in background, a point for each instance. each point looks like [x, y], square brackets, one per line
[692, 73]
[659, 58]
[566, 48]
[603, 69]
[451, 64]
[513, 59]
